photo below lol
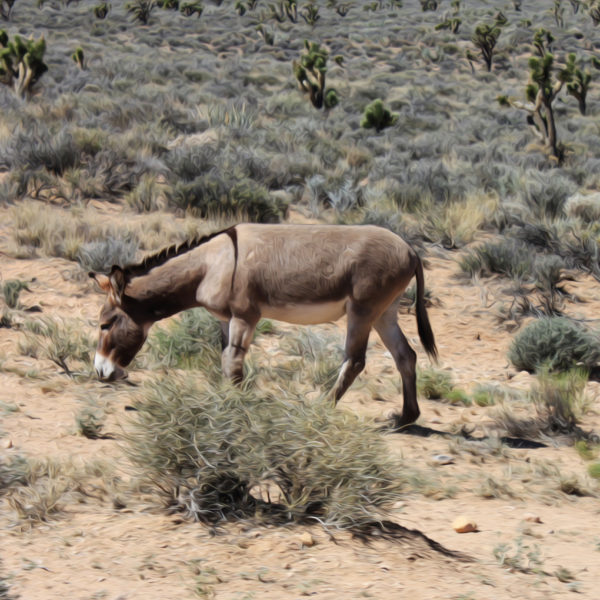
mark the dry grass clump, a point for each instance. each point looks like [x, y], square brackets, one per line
[101, 255]
[507, 257]
[556, 343]
[11, 290]
[435, 384]
[58, 341]
[319, 357]
[594, 470]
[40, 489]
[190, 341]
[455, 224]
[489, 394]
[217, 452]
[560, 404]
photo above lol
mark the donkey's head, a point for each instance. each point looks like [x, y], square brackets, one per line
[122, 328]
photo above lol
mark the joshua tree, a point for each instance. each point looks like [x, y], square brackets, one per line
[485, 38]
[101, 10]
[542, 90]
[579, 84]
[21, 62]
[453, 24]
[266, 35]
[141, 10]
[429, 5]
[594, 12]
[78, 57]
[377, 117]
[311, 72]
[5, 8]
[542, 42]
[286, 9]
[559, 13]
[310, 13]
[189, 8]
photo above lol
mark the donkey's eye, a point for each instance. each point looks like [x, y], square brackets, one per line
[105, 326]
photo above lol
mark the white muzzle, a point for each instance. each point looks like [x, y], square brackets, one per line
[104, 366]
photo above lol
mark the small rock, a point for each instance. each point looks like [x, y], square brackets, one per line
[442, 459]
[463, 524]
[7, 443]
[307, 540]
[532, 518]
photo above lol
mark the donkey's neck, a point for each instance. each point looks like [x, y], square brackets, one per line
[167, 289]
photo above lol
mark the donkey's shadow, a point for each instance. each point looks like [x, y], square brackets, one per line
[422, 431]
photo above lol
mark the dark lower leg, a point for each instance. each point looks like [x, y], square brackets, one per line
[406, 360]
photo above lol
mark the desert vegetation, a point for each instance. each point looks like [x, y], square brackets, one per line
[468, 128]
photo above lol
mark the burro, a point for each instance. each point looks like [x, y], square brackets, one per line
[304, 274]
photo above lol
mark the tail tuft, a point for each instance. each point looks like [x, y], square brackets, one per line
[423, 324]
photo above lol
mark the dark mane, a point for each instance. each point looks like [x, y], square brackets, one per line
[161, 257]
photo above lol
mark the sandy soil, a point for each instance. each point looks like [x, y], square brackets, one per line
[550, 540]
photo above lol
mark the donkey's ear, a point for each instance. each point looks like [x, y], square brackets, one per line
[118, 281]
[102, 280]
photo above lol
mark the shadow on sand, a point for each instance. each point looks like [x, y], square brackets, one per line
[421, 431]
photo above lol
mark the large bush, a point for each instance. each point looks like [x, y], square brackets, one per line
[556, 343]
[211, 196]
[222, 452]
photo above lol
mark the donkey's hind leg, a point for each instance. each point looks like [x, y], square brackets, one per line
[406, 360]
[241, 332]
[357, 338]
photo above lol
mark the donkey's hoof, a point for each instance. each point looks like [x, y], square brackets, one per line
[402, 421]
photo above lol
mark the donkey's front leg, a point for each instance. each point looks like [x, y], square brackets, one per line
[241, 332]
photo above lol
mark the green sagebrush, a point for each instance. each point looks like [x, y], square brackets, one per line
[556, 343]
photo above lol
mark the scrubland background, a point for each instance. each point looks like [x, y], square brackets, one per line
[185, 124]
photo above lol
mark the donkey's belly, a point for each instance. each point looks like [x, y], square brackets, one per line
[306, 314]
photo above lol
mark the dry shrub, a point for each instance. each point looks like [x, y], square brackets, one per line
[505, 256]
[456, 224]
[11, 290]
[190, 341]
[585, 207]
[223, 452]
[560, 403]
[39, 490]
[320, 357]
[101, 255]
[58, 341]
[435, 384]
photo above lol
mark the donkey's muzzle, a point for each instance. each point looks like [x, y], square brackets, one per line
[107, 370]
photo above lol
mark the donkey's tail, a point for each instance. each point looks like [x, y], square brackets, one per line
[423, 325]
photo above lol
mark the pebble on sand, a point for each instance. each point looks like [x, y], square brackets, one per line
[307, 540]
[463, 524]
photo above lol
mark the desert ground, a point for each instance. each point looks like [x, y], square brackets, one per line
[533, 539]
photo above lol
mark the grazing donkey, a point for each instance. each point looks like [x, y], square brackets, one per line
[301, 274]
